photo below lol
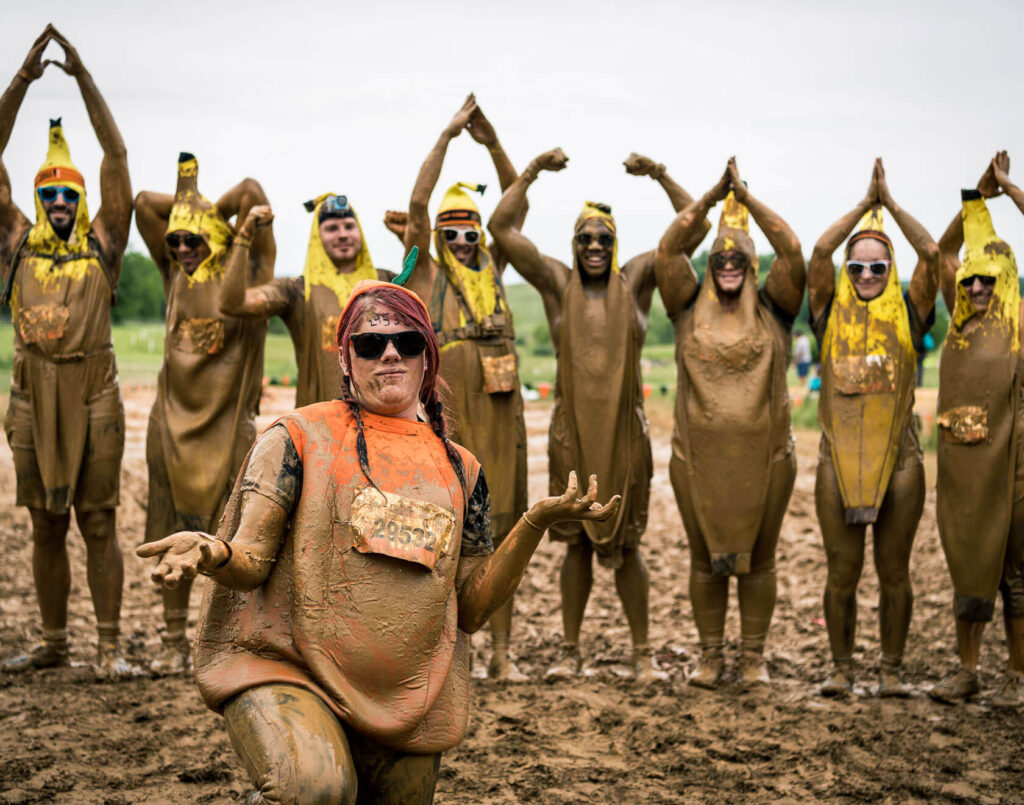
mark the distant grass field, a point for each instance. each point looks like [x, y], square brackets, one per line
[139, 350]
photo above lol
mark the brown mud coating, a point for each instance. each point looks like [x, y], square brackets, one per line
[489, 425]
[732, 466]
[595, 740]
[981, 469]
[312, 323]
[895, 523]
[64, 378]
[598, 424]
[203, 419]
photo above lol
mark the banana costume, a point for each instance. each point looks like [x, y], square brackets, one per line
[65, 421]
[203, 419]
[598, 424]
[868, 378]
[478, 360]
[732, 466]
[979, 419]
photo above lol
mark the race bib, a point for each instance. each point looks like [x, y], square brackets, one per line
[329, 334]
[43, 323]
[200, 336]
[864, 374]
[400, 527]
[966, 424]
[499, 373]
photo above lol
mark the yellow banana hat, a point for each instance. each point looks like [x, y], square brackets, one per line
[319, 269]
[603, 213]
[59, 171]
[987, 256]
[734, 232]
[194, 213]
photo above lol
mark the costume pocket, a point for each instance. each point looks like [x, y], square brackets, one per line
[498, 365]
[43, 323]
[106, 426]
[400, 527]
[965, 424]
[199, 336]
[864, 374]
[18, 422]
[329, 334]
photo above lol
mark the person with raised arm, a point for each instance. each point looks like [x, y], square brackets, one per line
[337, 258]
[870, 463]
[203, 420]
[65, 419]
[980, 500]
[733, 464]
[597, 315]
[354, 559]
[462, 286]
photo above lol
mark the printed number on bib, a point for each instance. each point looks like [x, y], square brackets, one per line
[400, 527]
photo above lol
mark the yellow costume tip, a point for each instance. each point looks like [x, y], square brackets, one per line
[981, 243]
[457, 207]
[734, 215]
[476, 188]
[873, 220]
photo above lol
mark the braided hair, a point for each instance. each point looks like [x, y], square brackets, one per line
[406, 308]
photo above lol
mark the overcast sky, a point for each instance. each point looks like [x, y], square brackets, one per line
[350, 97]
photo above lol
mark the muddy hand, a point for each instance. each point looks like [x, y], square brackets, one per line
[480, 128]
[735, 182]
[1001, 170]
[72, 64]
[396, 221]
[553, 160]
[462, 117]
[34, 64]
[259, 217]
[639, 165]
[546, 512]
[179, 557]
[878, 176]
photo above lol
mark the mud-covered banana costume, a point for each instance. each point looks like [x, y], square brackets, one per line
[473, 324]
[980, 428]
[203, 419]
[65, 420]
[598, 426]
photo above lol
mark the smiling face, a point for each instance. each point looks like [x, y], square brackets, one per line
[465, 253]
[342, 241]
[866, 284]
[390, 384]
[979, 291]
[61, 214]
[595, 244]
[729, 271]
[189, 257]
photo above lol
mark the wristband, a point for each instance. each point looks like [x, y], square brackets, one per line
[532, 524]
[244, 242]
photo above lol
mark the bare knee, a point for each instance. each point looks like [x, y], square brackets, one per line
[97, 526]
[843, 576]
[49, 531]
[300, 779]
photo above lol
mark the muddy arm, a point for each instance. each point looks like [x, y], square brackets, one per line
[263, 301]
[237, 203]
[924, 284]
[152, 211]
[546, 274]
[673, 271]
[788, 274]
[949, 258]
[638, 165]
[114, 218]
[13, 222]
[489, 582]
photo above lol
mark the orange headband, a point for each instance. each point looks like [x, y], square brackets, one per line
[59, 174]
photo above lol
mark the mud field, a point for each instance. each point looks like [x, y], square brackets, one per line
[64, 738]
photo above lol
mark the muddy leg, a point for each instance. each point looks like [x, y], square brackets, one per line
[894, 533]
[1011, 692]
[293, 747]
[387, 776]
[52, 573]
[501, 667]
[632, 583]
[844, 551]
[577, 578]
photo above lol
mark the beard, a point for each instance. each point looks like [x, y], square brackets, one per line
[63, 231]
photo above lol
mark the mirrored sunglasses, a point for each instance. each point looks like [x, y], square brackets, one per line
[877, 268]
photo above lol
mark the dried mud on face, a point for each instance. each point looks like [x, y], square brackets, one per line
[64, 738]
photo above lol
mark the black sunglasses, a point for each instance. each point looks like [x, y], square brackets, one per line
[585, 239]
[988, 282]
[719, 260]
[876, 267]
[370, 346]
[191, 240]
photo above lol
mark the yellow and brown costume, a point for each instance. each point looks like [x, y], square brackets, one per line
[473, 324]
[868, 375]
[311, 305]
[732, 445]
[203, 419]
[980, 505]
[598, 425]
[65, 421]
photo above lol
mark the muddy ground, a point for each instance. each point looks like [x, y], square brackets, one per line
[64, 738]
